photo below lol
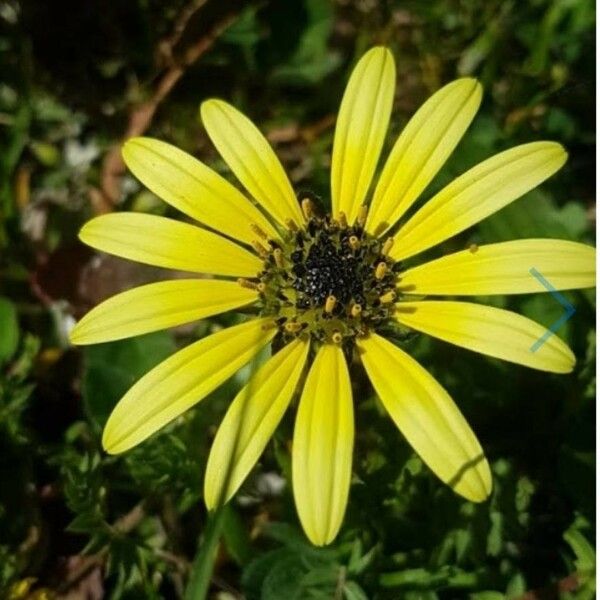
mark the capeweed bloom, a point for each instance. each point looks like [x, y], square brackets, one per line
[326, 287]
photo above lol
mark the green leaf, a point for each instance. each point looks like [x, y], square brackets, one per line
[517, 586]
[312, 60]
[463, 540]
[353, 591]
[480, 49]
[287, 534]
[47, 154]
[284, 580]
[9, 330]
[235, 535]
[322, 576]
[525, 491]
[111, 369]
[413, 578]
[245, 31]
[545, 36]
[255, 573]
[359, 562]
[535, 215]
[584, 551]
[496, 534]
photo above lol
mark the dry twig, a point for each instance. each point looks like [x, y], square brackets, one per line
[140, 117]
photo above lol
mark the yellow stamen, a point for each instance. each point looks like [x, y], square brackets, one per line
[387, 297]
[473, 248]
[362, 215]
[342, 219]
[354, 242]
[258, 231]
[330, 304]
[261, 287]
[291, 225]
[387, 246]
[336, 337]
[308, 208]
[246, 283]
[292, 327]
[260, 249]
[380, 270]
[278, 256]
[356, 310]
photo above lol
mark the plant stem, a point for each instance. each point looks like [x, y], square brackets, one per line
[203, 564]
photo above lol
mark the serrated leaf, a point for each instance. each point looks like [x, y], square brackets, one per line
[284, 580]
[255, 573]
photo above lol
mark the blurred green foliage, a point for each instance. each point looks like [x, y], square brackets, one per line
[83, 524]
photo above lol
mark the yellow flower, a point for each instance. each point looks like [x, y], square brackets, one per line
[325, 287]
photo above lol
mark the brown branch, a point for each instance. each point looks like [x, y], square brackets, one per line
[167, 45]
[140, 116]
[571, 583]
[131, 520]
[341, 582]
[124, 524]
[307, 134]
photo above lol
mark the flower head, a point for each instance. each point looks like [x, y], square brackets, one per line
[327, 287]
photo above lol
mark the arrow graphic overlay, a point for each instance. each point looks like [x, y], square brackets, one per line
[569, 310]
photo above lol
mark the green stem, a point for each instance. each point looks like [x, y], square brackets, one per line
[202, 567]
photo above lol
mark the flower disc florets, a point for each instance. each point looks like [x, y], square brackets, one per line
[330, 280]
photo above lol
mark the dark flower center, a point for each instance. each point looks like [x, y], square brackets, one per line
[330, 280]
[326, 264]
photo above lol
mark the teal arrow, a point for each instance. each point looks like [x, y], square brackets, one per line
[569, 310]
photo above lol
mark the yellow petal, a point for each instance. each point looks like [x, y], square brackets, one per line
[193, 188]
[181, 381]
[167, 243]
[250, 422]
[427, 417]
[360, 130]
[504, 268]
[322, 450]
[158, 306]
[252, 159]
[478, 193]
[421, 150]
[492, 331]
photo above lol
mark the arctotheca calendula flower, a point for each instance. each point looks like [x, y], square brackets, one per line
[325, 288]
